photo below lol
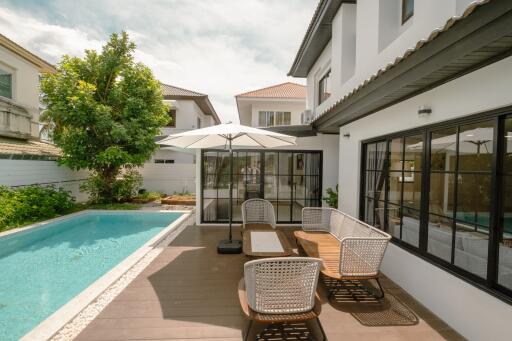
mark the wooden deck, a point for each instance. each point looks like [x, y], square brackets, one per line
[189, 292]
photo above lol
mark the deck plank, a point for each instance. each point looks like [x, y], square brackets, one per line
[189, 292]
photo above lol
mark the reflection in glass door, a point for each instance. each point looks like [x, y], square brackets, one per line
[289, 180]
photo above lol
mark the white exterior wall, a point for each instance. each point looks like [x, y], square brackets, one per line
[482, 90]
[169, 178]
[27, 172]
[379, 39]
[187, 112]
[295, 107]
[321, 66]
[180, 176]
[25, 84]
[249, 108]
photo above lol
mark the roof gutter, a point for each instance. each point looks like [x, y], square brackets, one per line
[317, 36]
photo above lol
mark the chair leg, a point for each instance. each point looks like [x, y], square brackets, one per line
[324, 337]
[382, 293]
[316, 332]
[246, 337]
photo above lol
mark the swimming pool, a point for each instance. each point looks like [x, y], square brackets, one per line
[45, 267]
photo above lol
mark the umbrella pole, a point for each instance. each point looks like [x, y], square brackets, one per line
[230, 245]
[230, 190]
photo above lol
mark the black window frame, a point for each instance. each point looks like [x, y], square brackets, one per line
[318, 199]
[10, 76]
[490, 283]
[406, 15]
[172, 115]
[322, 94]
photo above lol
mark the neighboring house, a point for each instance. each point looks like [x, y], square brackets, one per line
[277, 105]
[24, 158]
[291, 178]
[419, 92]
[172, 169]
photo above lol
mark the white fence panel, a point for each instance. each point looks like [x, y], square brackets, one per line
[169, 178]
[15, 173]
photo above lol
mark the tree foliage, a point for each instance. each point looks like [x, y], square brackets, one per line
[104, 111]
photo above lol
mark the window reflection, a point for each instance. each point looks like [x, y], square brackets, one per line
[476, 146]
[443, 148]
[505, 239]
[505, 226]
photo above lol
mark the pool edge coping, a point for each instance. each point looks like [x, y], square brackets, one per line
[53, 324]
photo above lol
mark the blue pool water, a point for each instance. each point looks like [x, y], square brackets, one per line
[43, 268]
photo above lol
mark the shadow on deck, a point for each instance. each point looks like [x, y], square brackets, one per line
[189, 292]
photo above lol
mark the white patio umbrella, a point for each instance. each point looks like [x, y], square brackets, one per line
[228, 135]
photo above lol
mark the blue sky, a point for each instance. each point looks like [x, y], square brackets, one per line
[218, 47]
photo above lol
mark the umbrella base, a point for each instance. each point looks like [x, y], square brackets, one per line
[229, 246]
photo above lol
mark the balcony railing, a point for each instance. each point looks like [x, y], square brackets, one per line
[15, 121]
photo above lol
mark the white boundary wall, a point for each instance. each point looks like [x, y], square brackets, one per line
[169, 178]
[463, 306]
[31, 172]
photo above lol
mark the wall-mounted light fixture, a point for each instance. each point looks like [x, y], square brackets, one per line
[346, 135]
[424, 110]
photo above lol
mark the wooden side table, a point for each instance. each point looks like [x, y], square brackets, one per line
[265, 243]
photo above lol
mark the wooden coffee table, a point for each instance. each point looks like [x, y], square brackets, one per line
[265, 243]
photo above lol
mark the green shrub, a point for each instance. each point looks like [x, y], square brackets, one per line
[28, 204]
[122, 188]
[148, 196]
[332, 197]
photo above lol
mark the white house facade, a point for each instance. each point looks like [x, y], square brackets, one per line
[172, 170]
[24, 158]
[419, 93]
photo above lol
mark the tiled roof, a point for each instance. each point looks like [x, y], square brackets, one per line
[284, 90]
[433, 35]
[173, 92]
[170, 90]
[28, 147]
[42, 64]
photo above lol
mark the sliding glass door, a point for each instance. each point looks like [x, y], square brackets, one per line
[290, 180]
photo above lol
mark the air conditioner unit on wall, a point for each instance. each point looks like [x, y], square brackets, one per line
[306, 117]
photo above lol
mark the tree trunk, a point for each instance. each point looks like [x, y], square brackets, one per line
[108, 175]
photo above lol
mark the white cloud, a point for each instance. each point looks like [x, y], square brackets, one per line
[220, 48]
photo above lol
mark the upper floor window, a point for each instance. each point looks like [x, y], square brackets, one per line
[407, 10]
[172, 115]
[324, 87]
[5, 84]
[266, 118]
[283, 118]
[271, 118]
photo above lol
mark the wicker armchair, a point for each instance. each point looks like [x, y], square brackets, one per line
[350, 249]
[280, 290]
[258, 214]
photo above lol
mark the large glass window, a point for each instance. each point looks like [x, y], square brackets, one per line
[290, 180]
[5, 84]
[446, 190]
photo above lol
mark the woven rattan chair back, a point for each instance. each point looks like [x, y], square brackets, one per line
[258, 211]
[282, 285]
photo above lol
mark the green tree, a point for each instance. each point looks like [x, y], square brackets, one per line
[104, 111]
